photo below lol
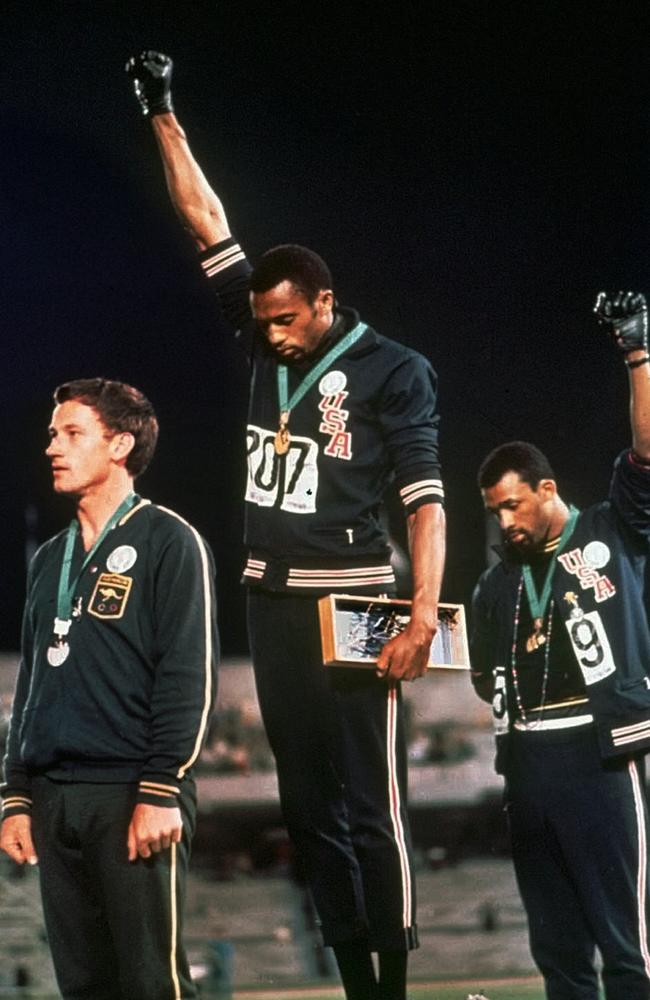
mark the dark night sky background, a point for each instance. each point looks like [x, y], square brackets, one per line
[473, 172]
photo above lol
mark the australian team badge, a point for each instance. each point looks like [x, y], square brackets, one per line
[110, 596]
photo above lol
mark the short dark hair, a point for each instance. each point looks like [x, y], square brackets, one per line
[302, 267]
[530, 464]
[121, 408]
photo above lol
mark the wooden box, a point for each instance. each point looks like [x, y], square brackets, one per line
[354, 630]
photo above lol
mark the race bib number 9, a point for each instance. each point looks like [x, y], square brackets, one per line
[591, 646]
[289, 481]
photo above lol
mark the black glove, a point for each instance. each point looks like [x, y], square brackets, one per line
[151, 73]
[625, 317]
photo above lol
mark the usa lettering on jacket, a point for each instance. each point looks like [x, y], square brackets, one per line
[586, 572]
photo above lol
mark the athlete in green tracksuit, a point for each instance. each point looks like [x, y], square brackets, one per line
[114, 691]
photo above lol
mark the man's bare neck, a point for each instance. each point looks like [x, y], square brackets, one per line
[558, 520]
[95, 509]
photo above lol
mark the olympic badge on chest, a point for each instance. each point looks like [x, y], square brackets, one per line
[334, 422]
[121, 559]
[111, 593]
[585, 564]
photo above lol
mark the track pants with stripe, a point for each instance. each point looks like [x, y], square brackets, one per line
[579, 841]
[338, 740]
[114, 927]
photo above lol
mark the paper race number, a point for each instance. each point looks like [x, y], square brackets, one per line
[289, 481]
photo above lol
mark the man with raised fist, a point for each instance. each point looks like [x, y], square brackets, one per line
[336, 410]
[560, 645]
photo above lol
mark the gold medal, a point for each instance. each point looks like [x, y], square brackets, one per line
[283, 437]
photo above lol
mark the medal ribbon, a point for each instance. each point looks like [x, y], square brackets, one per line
[538, 604]
[66, 588]
[286, 404]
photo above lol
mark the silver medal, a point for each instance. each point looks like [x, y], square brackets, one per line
[57, 654]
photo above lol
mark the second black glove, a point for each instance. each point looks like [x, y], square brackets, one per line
[625, 317]
[151, 73]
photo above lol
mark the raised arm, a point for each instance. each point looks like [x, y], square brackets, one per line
[199, 209]
[625, 317]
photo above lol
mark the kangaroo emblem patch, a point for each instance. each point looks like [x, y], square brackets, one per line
[110, 595]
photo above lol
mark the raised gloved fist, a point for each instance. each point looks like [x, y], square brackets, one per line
[625, 317]
[151, 73]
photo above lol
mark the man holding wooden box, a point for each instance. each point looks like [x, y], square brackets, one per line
[336, 410]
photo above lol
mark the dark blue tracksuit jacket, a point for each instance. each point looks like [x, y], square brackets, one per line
[601, 590]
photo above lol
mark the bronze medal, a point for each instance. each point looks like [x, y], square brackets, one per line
[538, 638]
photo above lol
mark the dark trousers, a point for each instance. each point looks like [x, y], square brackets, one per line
[114, 926]
[579, 841]
[338, 740]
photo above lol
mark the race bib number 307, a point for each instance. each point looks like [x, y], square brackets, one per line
[289, 481]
